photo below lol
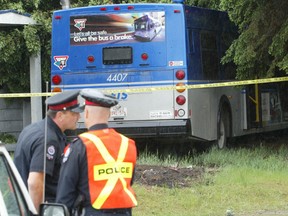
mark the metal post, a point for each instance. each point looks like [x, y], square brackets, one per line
[65, 4]
[35, 87]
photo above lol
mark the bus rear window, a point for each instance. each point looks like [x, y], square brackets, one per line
[117, 55]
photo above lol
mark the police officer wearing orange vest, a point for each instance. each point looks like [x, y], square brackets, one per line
[99, 166]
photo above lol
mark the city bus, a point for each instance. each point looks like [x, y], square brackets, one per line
[99, 47]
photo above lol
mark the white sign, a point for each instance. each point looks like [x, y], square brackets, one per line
[118, 111]
[161, 114]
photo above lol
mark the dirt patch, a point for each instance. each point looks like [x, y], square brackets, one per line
[169, 176]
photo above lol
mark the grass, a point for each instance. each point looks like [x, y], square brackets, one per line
[249, 181]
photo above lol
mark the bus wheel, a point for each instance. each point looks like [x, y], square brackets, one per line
[222, 137]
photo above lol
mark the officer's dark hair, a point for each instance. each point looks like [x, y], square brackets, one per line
[52, 113]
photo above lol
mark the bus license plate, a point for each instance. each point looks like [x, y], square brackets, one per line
[118, 111]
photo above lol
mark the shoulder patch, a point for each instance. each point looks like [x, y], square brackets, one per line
[50, 152]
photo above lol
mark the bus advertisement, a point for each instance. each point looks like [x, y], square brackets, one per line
[130, 50]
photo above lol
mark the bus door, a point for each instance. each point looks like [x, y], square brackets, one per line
[263, 105]
[253, 106]
[271, 104]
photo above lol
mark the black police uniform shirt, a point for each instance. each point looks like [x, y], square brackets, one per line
[29, 154]
[73, 180]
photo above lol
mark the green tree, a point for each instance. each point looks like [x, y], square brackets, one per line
[261, 50]
[213, 4]
[18, 43]
[262, 47]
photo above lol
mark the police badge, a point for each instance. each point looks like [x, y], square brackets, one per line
[66, 155]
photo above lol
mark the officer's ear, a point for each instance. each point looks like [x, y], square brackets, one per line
[60, 115]
[86, 113]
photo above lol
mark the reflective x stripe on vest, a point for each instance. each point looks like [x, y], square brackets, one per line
[117, 164]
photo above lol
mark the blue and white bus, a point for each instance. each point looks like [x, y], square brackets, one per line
[97, 47]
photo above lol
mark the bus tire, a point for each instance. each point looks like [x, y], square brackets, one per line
[222, 132]
[224, 123]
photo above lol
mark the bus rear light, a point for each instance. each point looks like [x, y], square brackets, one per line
[144, 56]
[130, 7]
[57, 89]
[90, 59]
[180, 75]
[57, 17]
[177, 11]
[103, 9]
[116, 8]
[56, 79]
[181, 87]
[180, 100]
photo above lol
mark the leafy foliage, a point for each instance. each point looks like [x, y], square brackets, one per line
[18, 43]
[260, 50]
[213, 4]
[7, 138]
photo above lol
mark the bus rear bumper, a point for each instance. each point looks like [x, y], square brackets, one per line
[159, 128]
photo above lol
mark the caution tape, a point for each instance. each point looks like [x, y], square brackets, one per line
[21, 95]
[150, 89]
[201, 86]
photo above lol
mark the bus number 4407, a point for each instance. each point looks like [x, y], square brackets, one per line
[119, 77]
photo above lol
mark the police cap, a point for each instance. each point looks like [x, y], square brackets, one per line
[94, 97]
[65, 101]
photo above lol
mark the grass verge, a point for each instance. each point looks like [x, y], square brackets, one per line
[249, 182]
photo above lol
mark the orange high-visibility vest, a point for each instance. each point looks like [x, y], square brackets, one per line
[111, 159]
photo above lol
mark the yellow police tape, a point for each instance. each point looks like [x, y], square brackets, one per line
[149, 89]
[18, 95]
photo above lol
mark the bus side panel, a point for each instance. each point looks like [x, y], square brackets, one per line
[201, 120]
[205, 104]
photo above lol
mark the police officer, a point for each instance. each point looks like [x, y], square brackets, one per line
[63, 113]
[99, 166]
